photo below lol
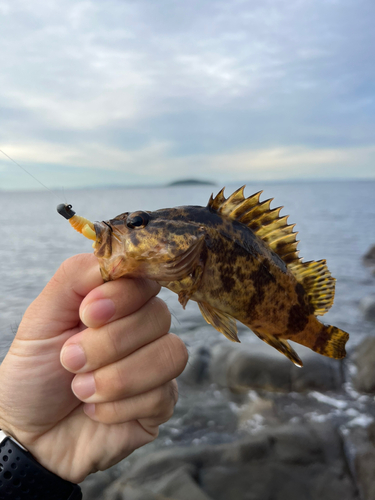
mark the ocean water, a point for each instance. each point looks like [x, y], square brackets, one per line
[335, 220]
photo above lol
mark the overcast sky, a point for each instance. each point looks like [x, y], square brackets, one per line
[149, 91]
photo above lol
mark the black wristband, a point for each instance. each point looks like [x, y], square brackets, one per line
[23, 478]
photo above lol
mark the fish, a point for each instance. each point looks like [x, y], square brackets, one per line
[236, 257]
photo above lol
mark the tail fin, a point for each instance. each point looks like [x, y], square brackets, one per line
[331, 342]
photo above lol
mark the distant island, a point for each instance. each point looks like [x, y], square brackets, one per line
[191, 182]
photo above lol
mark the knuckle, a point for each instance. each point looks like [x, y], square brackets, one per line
[101, 413]
[173, 391]
[164, 405]
[75, 263]
[108, 413]
[115, 412]
[113, 339]
[168, 414]
[121, 381]
[111, 382]
[177, 353]
[159, 315]
[72, 267]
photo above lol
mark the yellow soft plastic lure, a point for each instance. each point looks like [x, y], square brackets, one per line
[80, 224]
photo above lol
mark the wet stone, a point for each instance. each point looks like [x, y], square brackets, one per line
[367, 306]
[364, 359]
[259, 366]
[369, 257]
[196, 370]
[129, 492]
[290, 462]
[360, 446]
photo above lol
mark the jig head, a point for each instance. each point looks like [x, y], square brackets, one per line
[80, 224]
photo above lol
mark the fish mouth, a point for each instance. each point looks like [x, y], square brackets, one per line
[109, 259]
[114, 259]
[103, 243]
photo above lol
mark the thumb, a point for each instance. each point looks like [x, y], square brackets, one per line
[56, 309]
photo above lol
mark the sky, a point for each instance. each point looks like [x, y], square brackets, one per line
[142, 92]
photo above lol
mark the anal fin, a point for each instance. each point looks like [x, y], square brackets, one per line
[282, 346]
[219, 320]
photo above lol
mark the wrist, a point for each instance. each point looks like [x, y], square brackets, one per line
[22, 477]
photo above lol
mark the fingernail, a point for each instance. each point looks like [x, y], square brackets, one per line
[73, 357]
[89, 409]
[84, 385]
[98, 313]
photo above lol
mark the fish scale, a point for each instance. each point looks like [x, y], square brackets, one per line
[236, 257]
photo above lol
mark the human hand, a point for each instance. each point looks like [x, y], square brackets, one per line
[123, 352]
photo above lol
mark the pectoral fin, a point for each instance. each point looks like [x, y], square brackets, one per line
[219, 320]
[181, 266]
[190, 285]
[282, 346]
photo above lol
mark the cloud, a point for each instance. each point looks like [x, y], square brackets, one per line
[155, 165]
[92, 83]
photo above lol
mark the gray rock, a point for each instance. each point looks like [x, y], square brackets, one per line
[289, 462]
[298, 445]
[200, 413]
[94, 486]
[259, 366]
[178, 484]
[318, 373]
[257, 411]
[151, 467]
[240, 482]
[369, 257]
[367, 306]
[121, 491]
[222, 354]
[302, 463]
[360, 447]
[364, 359]
[196, 370]
[277, 482]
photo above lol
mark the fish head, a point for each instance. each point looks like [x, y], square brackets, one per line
[158, 245]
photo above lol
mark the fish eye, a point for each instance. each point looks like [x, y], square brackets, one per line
[137, 220]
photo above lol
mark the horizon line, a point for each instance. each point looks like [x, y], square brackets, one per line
[197, 184]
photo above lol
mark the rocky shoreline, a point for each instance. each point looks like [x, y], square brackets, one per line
[249, 425]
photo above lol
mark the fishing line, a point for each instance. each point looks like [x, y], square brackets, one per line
[29, 173]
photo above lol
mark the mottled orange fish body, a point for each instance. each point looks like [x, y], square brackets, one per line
[236, 258]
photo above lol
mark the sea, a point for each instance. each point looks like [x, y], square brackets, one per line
[335, 220]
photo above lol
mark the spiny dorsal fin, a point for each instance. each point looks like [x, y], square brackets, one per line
[280, 237]
[264, 222]
[317, 283]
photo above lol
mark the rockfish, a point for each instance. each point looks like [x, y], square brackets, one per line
[236, 258]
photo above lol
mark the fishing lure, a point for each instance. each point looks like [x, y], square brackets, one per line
[236, 257]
